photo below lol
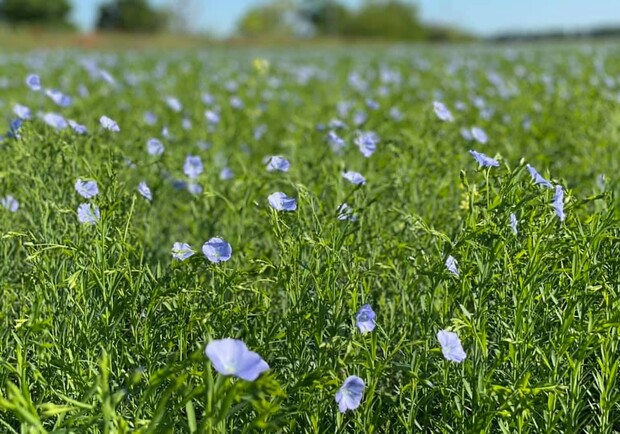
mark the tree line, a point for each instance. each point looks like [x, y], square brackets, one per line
[377, 19]
[374, 19]
[117, 15]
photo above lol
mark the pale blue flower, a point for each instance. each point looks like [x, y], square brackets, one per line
[55, 120]
[88, 214]
[86, 189]
[109, 124]
[367, 143]
[236, 102]
[354, 177]
[335, 142]
[14, 127]
[278, 163]
[345, 212]
[513, 223]
[173, 103]
[154, 147]
[181, 251]
[451, 346]
[217, 250]
[22, 112]
[212, 117]
[58, 97]
[537, 177]
[34, 82]
[194, 188]
[396, 114]
[207, 98]
[77, 128]
[483, 160]
[165, 132]
[558, 202]
[336, 124]
[452, 265]
[260, 131]
[479, 134]
[372, 104]
[186, 123]
[193, 166]
[442, 112]
[226, 174]
[365, 320]
[150, 118]
[359, 118]
[349, 396]
[9, 203]
[466, 134]
[232, 357]
[145, 191]
[281, 202]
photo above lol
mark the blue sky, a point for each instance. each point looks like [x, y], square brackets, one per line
[482, 16]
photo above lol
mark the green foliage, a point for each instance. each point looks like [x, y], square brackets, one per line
[101, 331]
[390, 20]
[274, 19]
[35, 12]
[130, 16]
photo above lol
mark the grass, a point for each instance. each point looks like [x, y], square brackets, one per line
[102, 331]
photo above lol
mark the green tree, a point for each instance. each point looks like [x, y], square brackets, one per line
[327, 17]
[272, 19]
[130, 16]
[49, 13]
[389, 19]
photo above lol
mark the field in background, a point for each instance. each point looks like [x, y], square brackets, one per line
[101, 330]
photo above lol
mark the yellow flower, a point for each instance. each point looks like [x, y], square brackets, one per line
[261, 65]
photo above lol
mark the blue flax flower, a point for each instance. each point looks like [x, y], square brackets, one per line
[367, 142]
[232, 357]
[513, 223]
[22, 112]
[9, 203]
[442, 112]
[345, 212]
[451, 346]
[181, 251]
[154, 147]
[281, 202]
[109, 124]
[479, 134]
[88, 214]
[365, 320]
[484, 160]
[452, 265]
[354, 177]
[86, 189]
[537, 177]
[55, 120]
[349, 396]
[33, 82]
[192, 166]
[77, 128]
[558, 202]
[217, 250]
[278, 163]
[145, 191]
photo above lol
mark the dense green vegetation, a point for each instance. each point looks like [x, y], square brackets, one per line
[101, 330]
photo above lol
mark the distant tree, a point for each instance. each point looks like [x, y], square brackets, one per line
[327, 17]
[388, 19]
[48, 13]
[130, 16]
[271, 19]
